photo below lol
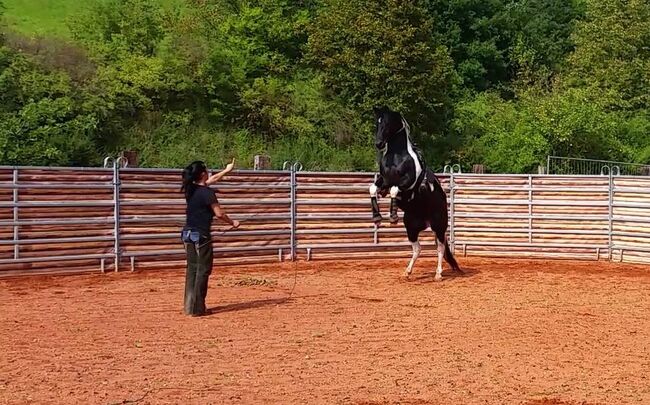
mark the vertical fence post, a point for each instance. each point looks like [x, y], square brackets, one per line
[375, 232]
[452, 238]
[610, 228]
[15, 210]
[116, 211]
[530, 209]
[548, 164]
[293, 177]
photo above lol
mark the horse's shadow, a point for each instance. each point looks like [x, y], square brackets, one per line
[447, 275]
[242, 306]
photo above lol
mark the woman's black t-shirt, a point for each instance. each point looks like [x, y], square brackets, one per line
[199, 213]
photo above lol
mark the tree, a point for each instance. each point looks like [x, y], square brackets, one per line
[471, 31]
[41, 121]
[384, 52]
[612, 55]
[539, 32]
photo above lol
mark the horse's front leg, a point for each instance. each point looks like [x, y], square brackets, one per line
[393, 204]
[376, 214]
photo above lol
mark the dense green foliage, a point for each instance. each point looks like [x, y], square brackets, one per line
[497, 82]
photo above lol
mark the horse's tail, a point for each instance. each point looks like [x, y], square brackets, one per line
[449, 257]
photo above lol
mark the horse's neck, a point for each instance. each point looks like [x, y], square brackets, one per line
[399, 144]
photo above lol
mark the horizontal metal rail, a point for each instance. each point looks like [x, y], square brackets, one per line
[337, 217]
[57, 186]
[216, 235]
[635, 219]
[535, 231]
[179, 171]
[258, 186]
[502, 216]
[540, 188]
[57, 168]
[533, 244]
[524, 176]
[47, 241]
[216, 250]
[181, 218]
[335, 187]
[633, 190]
[526, 202]
[625, 204]
[333, 174]
[56, 204]
[630, 248]
[338, 202]
[41, 259]
[504, 201]
[349, 231]
[642, 235]
[67, 221]
[251, 201]
[360, 245]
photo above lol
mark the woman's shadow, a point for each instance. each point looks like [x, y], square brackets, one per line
[242, 306]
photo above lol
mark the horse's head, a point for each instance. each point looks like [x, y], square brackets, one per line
[389, 123]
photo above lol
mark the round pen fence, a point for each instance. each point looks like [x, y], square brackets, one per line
[64, 220]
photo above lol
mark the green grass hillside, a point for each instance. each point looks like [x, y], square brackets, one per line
[46, 17]
[40, 17]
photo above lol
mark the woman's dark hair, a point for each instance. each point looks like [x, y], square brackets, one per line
[191, 175]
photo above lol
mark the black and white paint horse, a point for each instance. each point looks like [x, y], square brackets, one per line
[412, 187]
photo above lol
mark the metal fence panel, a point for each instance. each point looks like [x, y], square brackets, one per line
[63, 220]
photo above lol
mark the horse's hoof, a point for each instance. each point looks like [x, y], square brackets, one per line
[438, 277]
[394, 220]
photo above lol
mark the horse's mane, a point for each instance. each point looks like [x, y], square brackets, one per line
[416, 149]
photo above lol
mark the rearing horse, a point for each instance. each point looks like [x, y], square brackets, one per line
[412, 186]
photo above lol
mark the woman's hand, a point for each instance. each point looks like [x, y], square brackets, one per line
[230, 166]
[235, 224]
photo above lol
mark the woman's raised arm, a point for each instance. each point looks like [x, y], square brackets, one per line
[216, 177]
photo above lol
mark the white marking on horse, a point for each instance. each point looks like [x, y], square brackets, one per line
[394, 191]
[373, 190]
[441, 253]
[414, 156]
[416, 253]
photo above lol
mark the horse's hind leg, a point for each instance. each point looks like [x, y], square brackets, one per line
[441, 240]
[412, 230]
[441, 252]
[416, 252]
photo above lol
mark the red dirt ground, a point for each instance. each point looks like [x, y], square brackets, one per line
[509, 332]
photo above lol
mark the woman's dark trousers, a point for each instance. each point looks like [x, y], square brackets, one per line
[199, 268]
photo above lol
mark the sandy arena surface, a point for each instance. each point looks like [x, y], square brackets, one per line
[509, 332]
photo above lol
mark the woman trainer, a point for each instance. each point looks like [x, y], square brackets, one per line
[202, 207]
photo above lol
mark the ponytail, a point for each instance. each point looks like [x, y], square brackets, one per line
[192, 174]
